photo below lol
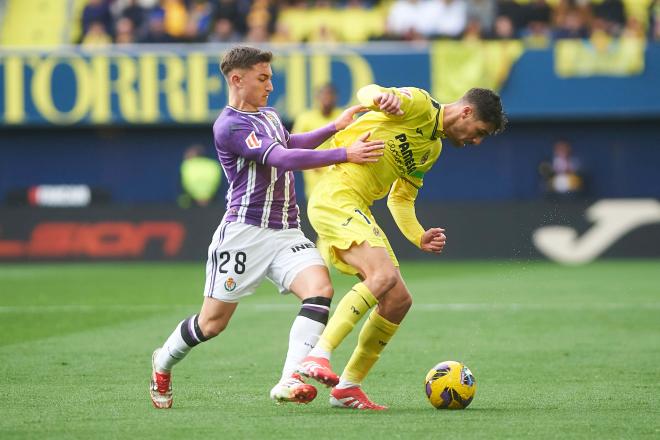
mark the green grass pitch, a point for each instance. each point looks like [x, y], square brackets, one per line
[557, 352]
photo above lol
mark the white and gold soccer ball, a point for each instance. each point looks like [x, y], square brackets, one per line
[450, 385]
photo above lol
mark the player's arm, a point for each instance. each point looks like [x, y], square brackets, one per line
[244, 140]
[361, 151]
[313, 139]
[401, 203]
[396, 102]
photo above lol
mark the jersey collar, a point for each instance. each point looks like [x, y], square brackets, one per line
[438, 131]
[243, 111]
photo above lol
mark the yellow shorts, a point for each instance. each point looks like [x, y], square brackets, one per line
[341, 219]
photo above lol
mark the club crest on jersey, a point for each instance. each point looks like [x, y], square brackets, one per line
[272, 119]
[424, 158]
[376, 231]
[230, 284]
[252, 141]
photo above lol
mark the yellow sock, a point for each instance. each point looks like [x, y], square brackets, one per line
[349, 311]
[374, 336]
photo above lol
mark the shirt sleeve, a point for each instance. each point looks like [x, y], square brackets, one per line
[401, 203]
[242, 139]
[413, 100]
[298, 159]
[312, 139]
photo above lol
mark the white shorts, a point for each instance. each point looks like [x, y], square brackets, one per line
[240, 257]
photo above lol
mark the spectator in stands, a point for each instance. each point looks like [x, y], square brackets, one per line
[633, 29]
[155, 32]
[403, 20]
[125, 31]
[611, 15]
[97, 11]
[481, 16]
[235, 11]
[570, 21]
[96, 35]
[282, 33]
[503, 28]
[515, 18]
[654, 20]
[536, 22]
[261, 21]
[175, 18]
[443, 18]
[536, 30]
[257, 31]
[223, 31]
[200, 178]
[537, 35]
[473, 31]
[133, 11]
[199, 20]
[561, 175]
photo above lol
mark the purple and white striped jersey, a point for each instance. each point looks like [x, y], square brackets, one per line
[258, 194]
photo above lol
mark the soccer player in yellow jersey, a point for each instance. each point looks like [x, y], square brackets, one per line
[412, 125]
[325, 112]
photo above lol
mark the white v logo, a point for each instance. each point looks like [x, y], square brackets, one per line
[612, 220]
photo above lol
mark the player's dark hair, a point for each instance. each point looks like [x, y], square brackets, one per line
[243, 57]
[488, 106]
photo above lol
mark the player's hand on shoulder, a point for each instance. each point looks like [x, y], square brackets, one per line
[363, 150]
[348, 115]
[388, 102]
[433, 240]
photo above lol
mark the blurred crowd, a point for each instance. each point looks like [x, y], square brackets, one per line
[537, 22]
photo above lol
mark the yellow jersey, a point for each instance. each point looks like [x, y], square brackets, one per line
[412, 146]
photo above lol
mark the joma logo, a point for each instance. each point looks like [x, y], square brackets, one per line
[612, 220]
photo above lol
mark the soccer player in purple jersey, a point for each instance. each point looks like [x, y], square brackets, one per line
[259, 236]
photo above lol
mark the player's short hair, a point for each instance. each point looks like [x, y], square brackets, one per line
[243, 57]
[488, 106]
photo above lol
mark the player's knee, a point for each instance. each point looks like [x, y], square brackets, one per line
[405, 303]
[325, 290]
[382, 281]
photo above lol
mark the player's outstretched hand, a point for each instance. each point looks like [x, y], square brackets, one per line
[388, 102]
[433, 240]
[364, 151]
[348, 115]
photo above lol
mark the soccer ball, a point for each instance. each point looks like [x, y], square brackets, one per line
[450, 385]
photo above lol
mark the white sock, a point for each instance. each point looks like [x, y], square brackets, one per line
[317, 351]
[173, 351]
[343, 384]
[304, 334]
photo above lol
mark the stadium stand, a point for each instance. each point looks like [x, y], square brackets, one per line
[536, 22]
[36, 22]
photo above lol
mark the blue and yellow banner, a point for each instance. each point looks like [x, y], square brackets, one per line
[183, 84]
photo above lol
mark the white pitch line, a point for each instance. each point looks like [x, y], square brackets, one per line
[89, 308]
[508, 307]
[450, 307]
